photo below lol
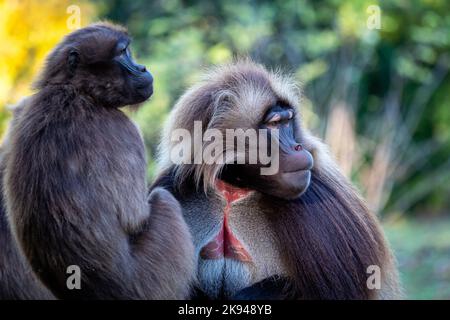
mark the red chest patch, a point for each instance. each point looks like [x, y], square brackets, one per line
[225, 244]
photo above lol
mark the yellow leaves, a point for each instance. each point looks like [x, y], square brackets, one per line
[219, 54]
[29, 29]
[353, 17]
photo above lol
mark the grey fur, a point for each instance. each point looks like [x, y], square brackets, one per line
[322, 241]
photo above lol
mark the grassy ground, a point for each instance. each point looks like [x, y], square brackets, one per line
[422, 248]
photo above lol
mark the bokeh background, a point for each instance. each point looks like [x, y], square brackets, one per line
[380, 97]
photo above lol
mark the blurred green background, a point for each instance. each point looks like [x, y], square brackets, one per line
[375, 78]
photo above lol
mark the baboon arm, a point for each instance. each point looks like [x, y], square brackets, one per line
[168, 243]
[155, 262]
[162, 253]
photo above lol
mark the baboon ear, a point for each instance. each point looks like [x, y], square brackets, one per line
[72, 60]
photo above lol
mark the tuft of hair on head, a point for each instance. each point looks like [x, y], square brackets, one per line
[85, 45]
[229, 96]
[109, 25]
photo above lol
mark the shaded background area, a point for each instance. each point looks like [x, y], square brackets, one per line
[379, 97]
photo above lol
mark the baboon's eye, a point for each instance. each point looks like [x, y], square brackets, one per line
[124, 51]
[278, 116]
[122, 48]
[274, 119]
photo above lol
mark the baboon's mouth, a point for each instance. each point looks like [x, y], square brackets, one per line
[295, 171]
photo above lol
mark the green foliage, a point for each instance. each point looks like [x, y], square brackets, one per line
[422, 251]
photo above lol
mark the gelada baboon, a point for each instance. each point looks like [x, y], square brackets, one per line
[302, 233]
[75, 183]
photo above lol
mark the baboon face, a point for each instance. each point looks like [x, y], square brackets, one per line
[295, 163]
[137, 81]
[97, 60]
[248, 108]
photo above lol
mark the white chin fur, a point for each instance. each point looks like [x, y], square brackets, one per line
[223, 278]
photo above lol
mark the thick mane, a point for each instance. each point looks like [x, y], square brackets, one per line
[330, 240]
[329, 235]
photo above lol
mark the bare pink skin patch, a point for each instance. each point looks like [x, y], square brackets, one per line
[225, 244]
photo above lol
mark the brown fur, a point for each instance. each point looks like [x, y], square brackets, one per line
[75, 184]
[327, 237]
[17, 280]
